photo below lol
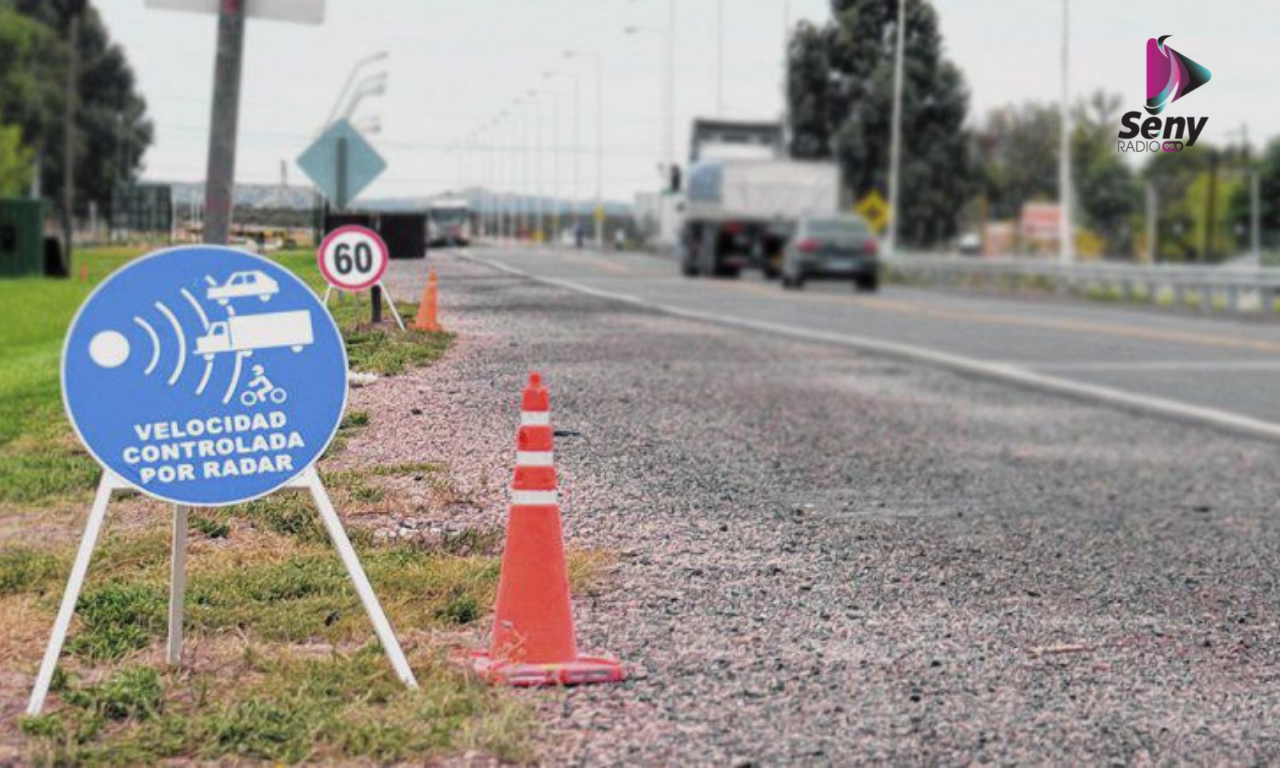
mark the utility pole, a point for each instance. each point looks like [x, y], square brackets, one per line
[68, 143]
[719, 58]
[1255, 223]
[895, 142]
[223, 123]
[1153, 223]
[1066, 246]
[1211, 210]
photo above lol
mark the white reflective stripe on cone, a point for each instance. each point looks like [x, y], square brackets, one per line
[534, 459]
[535, 418]
[521, 498]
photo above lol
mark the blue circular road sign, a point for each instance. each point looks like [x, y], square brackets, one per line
[204, 375]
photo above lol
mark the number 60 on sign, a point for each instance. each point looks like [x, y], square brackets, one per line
[352, 258]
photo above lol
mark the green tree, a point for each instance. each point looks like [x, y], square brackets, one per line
[840, 96]
[1240, 207]
[15, 161]
[1016, 153]
[112, 128]
[1107, 192]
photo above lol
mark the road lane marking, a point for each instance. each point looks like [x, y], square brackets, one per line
[1004, 372]
[1210, 366]
[989, 318]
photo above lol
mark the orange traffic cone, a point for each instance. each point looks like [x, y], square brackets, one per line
[426, 318]
[533, 638]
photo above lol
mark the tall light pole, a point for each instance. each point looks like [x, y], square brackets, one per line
[667, 146]
[576, 191]
[1066, 246]
[597, 214]
[720, 58]
[555, 159]
[346, 88]
[895, 141]
[539, 199]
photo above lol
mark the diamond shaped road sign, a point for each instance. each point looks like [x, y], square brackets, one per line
[341, 163]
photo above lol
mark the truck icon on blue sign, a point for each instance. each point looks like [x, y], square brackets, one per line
[245, 333]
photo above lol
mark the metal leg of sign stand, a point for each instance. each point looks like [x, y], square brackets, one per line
[92, 527]
[177, 584]
[310, 480]
[391, 303]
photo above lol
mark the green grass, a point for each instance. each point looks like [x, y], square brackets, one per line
[287, 710]
[40, 460]
[260, 700]
[283, 665]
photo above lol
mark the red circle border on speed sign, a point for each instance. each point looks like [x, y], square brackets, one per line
[353, 229]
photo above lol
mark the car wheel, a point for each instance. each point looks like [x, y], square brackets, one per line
[868, 283]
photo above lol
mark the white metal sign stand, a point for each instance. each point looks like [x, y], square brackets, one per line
[328, 290]
[123, 414]
[309, 480]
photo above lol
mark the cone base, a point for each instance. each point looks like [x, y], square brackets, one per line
[583, 670]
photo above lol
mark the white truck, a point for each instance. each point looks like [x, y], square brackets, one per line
[744, 198]
[265, 330]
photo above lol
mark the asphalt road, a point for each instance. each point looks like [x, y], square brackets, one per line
[830, 556]
[1220, 364]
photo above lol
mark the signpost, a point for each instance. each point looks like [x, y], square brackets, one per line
[204, 376]
[353, 258]
[225, 116]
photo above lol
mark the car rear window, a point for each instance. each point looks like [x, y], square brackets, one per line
[841, 229]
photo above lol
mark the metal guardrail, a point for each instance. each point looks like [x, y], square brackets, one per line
[1226, 288]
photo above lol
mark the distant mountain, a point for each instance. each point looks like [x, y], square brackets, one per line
[276, 196]
[249, 195]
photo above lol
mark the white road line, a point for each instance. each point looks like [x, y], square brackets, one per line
[1013, 374]
[1208, 366]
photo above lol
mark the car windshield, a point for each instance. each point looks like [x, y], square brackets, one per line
[837, 229]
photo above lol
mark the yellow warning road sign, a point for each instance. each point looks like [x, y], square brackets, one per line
[874, 209]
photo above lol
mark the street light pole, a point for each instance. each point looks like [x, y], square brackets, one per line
[576, 189]
[351, 79]
[538, 200]
[895, 141]
[599, 206]
[720, 58]
[1066, 246]
[666, 135]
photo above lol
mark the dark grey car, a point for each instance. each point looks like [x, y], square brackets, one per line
[833, 247]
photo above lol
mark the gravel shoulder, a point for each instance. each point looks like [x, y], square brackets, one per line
[824, 556]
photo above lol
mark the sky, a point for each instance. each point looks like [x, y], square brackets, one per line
[453, 68]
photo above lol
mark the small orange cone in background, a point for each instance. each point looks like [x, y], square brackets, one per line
[84, 273]
[533, 637]
[426, 318]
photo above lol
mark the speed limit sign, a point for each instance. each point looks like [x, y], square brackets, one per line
[352, 258]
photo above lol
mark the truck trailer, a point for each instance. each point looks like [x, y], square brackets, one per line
[744, 197]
